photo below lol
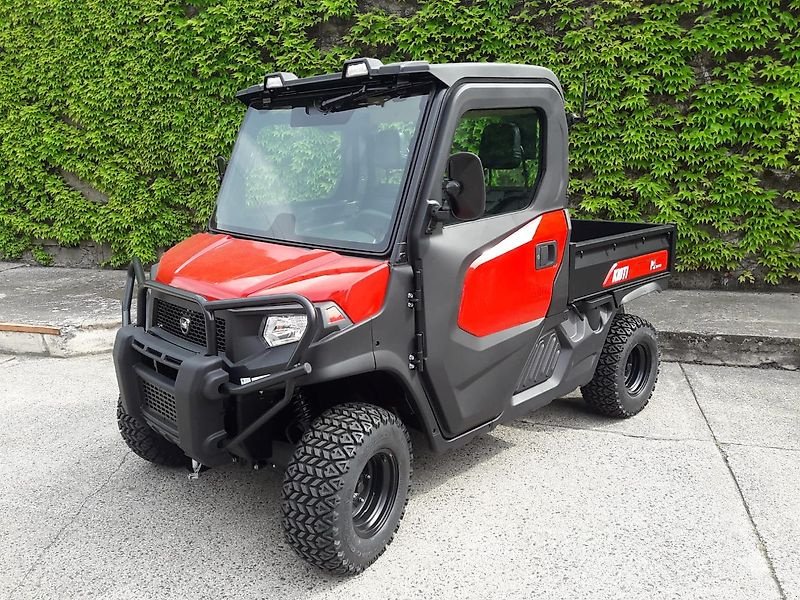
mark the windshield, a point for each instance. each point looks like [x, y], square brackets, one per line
[298, 174]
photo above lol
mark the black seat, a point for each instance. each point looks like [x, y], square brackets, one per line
[501, 146]
[501, 149]
[387, 160]
[387, 150]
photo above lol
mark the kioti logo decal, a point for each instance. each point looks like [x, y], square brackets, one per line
[636, 267]
[185, 323]
[619, 274]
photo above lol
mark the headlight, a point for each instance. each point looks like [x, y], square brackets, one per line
[284, 329]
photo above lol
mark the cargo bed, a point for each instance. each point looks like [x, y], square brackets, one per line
[610, 257]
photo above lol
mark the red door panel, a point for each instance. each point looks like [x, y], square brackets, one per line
[502, 288]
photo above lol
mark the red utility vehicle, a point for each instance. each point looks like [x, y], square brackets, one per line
[391, 250]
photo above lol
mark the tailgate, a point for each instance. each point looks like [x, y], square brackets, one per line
[606, 256]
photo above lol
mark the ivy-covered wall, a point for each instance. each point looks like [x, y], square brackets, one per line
[111, 111]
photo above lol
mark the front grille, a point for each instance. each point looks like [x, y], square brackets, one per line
[167, 316]
[220, 323]
[159, 401]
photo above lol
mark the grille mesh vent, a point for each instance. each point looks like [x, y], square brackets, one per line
[168, 317]
[159, 401]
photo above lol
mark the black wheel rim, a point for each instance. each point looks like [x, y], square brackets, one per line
[375, 492]
[637, 369]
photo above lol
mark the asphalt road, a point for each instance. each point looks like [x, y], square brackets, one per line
[697, 497]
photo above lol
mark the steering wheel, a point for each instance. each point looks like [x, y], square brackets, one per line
[373, 222]
[503, 204]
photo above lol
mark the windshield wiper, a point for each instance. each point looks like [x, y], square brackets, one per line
[332, 104]
[360, 92]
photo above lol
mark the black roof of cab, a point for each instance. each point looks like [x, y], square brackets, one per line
[447, 73]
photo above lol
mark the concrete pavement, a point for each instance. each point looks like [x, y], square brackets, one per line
[726, 328]
[81, 306]
[694, 498]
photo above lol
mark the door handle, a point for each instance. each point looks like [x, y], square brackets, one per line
[546, 254]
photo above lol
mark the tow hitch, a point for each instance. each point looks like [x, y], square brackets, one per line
[194, 472]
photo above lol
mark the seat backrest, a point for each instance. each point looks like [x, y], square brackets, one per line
[387, 150]
[501, 146]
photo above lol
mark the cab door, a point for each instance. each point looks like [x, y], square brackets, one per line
[488, 283]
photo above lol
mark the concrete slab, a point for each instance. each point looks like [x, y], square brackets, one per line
[672, 412]
[531, 510]
[730, 350]
[22, 342]
[56, 449]
[60, 297]
[5, 265]
[575, 536]
[749, 406]
[723, 313]
[725, 328]
[770, 480]
[81, 304]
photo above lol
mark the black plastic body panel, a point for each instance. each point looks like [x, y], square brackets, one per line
[198, 403]
[470, 379]
[393, 344]
[595, 246]
[580, 350]
[542, 361]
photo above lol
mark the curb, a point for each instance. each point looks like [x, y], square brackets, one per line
[730, 349]
[676, 346]
[61, 342]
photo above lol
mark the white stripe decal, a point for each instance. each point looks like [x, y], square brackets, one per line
[523, 235]
[212, 246]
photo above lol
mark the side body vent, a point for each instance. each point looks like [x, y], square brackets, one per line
[542, 361]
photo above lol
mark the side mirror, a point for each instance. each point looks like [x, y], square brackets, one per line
[222, 164]
[465, 187]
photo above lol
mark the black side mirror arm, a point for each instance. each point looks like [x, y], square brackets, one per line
[437, 214]
[452, 188]
[440, 212]
[222, 165]
[575, 118]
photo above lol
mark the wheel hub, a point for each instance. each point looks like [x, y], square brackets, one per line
[375, 492]
[637, 369]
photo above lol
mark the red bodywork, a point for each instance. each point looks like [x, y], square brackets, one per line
[219, 267]
[638, 266]
[502, 287]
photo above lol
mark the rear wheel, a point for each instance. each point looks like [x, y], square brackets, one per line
[146, 443]
[627, 371]
[346, 487]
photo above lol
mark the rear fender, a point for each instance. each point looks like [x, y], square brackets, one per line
[624, 296]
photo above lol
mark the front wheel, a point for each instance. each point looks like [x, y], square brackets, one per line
[627, 371]
[146, 443]
[346, 487]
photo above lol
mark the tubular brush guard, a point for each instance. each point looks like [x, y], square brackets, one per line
[203, 381]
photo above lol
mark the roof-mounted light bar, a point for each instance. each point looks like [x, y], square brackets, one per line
[277, 80]
[360, 67]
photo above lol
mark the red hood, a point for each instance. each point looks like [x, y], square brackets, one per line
[220, 266]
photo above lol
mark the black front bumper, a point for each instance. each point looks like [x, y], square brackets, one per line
[184, 394]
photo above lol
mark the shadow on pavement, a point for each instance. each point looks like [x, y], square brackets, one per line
[162, 510]
[433, 470]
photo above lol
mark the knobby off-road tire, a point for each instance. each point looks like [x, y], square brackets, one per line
[146, 443]
[346, 487]
[627, 371]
